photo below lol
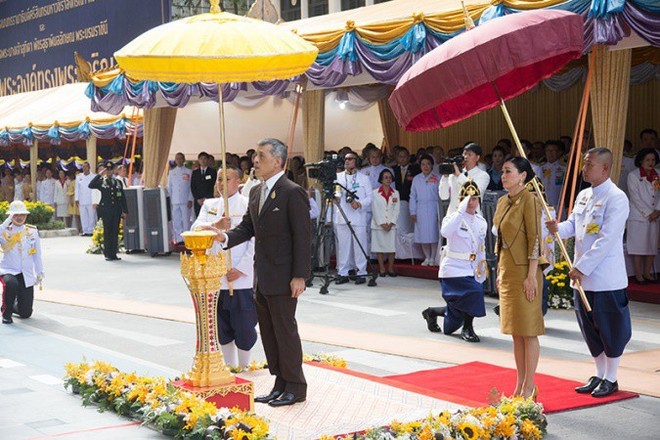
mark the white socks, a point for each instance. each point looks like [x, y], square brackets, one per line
[601, 365]
[243, 358]
[612, 367]
[229, 353]
[606, 367]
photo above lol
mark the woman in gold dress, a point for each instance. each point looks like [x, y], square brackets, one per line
[520, 281]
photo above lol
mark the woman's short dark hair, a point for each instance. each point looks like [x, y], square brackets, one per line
[426, 157]
[522, 165]
[382, 173]
[639, 158]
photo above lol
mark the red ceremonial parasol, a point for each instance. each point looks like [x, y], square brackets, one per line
[485, 66]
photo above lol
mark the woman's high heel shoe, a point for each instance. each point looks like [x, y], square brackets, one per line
[535, 394]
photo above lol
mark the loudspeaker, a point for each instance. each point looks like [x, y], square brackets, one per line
[134, 221]
[156, 221]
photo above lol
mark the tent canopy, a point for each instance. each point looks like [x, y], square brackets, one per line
[59, 113]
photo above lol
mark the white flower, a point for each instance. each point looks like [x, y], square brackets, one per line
[221, 414]
[89, 377]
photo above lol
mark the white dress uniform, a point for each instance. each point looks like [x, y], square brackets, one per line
[598, 222]
[372, 172]
[627, 165]
[384, 211]
[242, 256]
[85, 199]
[465, 252]
[46, 191]
[178, 187]
[642, 237]
[552, 175]
[18, 190]
[21, 267]
[61, 200]
[450, 186]
[349, 255]
[424, 204]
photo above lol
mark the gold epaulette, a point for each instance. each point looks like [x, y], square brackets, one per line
[30, 226]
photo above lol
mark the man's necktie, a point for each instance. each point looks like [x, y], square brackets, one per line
[465, 174]
[264, 195]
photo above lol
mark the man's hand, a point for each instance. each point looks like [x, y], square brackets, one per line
[189, 205]
[94, 207]
[224, 223]
[234, 274]
[457, 171]
[219, 236]
[576, 275]
[355, 205]
[413, 218]
[200, 202]
[552, 226]
[297, 287]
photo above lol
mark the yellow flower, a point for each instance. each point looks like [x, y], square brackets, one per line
[593, 228]
[561, 284]
[32, 251]
[530, 431]
[506, 428]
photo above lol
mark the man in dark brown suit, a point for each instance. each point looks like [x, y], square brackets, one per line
[278, 219]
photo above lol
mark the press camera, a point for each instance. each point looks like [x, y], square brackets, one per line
[447, 165]
[325, 171]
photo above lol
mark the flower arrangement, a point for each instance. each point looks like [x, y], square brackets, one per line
[510, 418]
[96, 247]
[326, 359]
[560, 292]
[40, 215]
[159, 404]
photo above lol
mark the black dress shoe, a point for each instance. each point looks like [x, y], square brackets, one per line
[588, 387]
[268, 397]
[382, 274]
[605, 388]
[341, 280]
[431, 322]
[360, 280]
[469, 335]
[496, 309]
[286, 399]
[7, 320]
[393, 274]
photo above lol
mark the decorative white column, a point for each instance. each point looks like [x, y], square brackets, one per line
[304, 8]
[369, 3]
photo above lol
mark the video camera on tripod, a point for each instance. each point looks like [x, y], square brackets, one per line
[447, 165]
[325, 171]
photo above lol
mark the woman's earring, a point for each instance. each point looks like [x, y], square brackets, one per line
[520, 183]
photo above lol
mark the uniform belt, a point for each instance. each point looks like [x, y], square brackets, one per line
[467, 256]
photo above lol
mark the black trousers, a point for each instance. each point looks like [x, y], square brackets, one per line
[279, 334]
[111, 218]
[15, 292]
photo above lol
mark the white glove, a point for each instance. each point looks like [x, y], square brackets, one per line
[462, 207]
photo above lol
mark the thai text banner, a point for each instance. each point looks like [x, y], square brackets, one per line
[38, 37]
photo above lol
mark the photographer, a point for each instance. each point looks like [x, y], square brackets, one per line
[355, 205]
[451, 183]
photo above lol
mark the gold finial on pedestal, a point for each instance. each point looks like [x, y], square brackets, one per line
[202, 274]
[215, 6]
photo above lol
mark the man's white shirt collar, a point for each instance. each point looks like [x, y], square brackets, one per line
[270, 183]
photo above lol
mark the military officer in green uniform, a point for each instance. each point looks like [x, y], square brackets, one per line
[112, 208]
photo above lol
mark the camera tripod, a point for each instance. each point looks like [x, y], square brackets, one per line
[324, 236]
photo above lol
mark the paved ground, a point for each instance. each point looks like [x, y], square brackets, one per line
[136, 313]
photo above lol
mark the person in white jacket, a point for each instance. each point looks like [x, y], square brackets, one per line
[237, 312]
[450, 185]
[385, 208]
[85, 200]
[21, 266]
[181, 198]
[644, 221]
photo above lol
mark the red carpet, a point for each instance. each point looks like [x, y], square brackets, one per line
[472, 382]
[405, 269]
[648, 293]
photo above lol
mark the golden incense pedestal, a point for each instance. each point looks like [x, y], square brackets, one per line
[202, 274]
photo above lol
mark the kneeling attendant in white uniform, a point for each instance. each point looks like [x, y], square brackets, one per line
[21, 265]
[237, 313]
[463, 267]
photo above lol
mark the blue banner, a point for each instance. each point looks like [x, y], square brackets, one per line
[38, 37]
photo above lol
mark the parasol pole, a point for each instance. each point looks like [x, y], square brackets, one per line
[564, 252]
[223, 152]
[300, 88]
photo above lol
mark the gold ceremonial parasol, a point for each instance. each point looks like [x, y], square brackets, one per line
[217, 47]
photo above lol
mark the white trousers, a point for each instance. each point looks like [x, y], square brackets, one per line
[87, 218]
[349, 255]
[180, 220]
